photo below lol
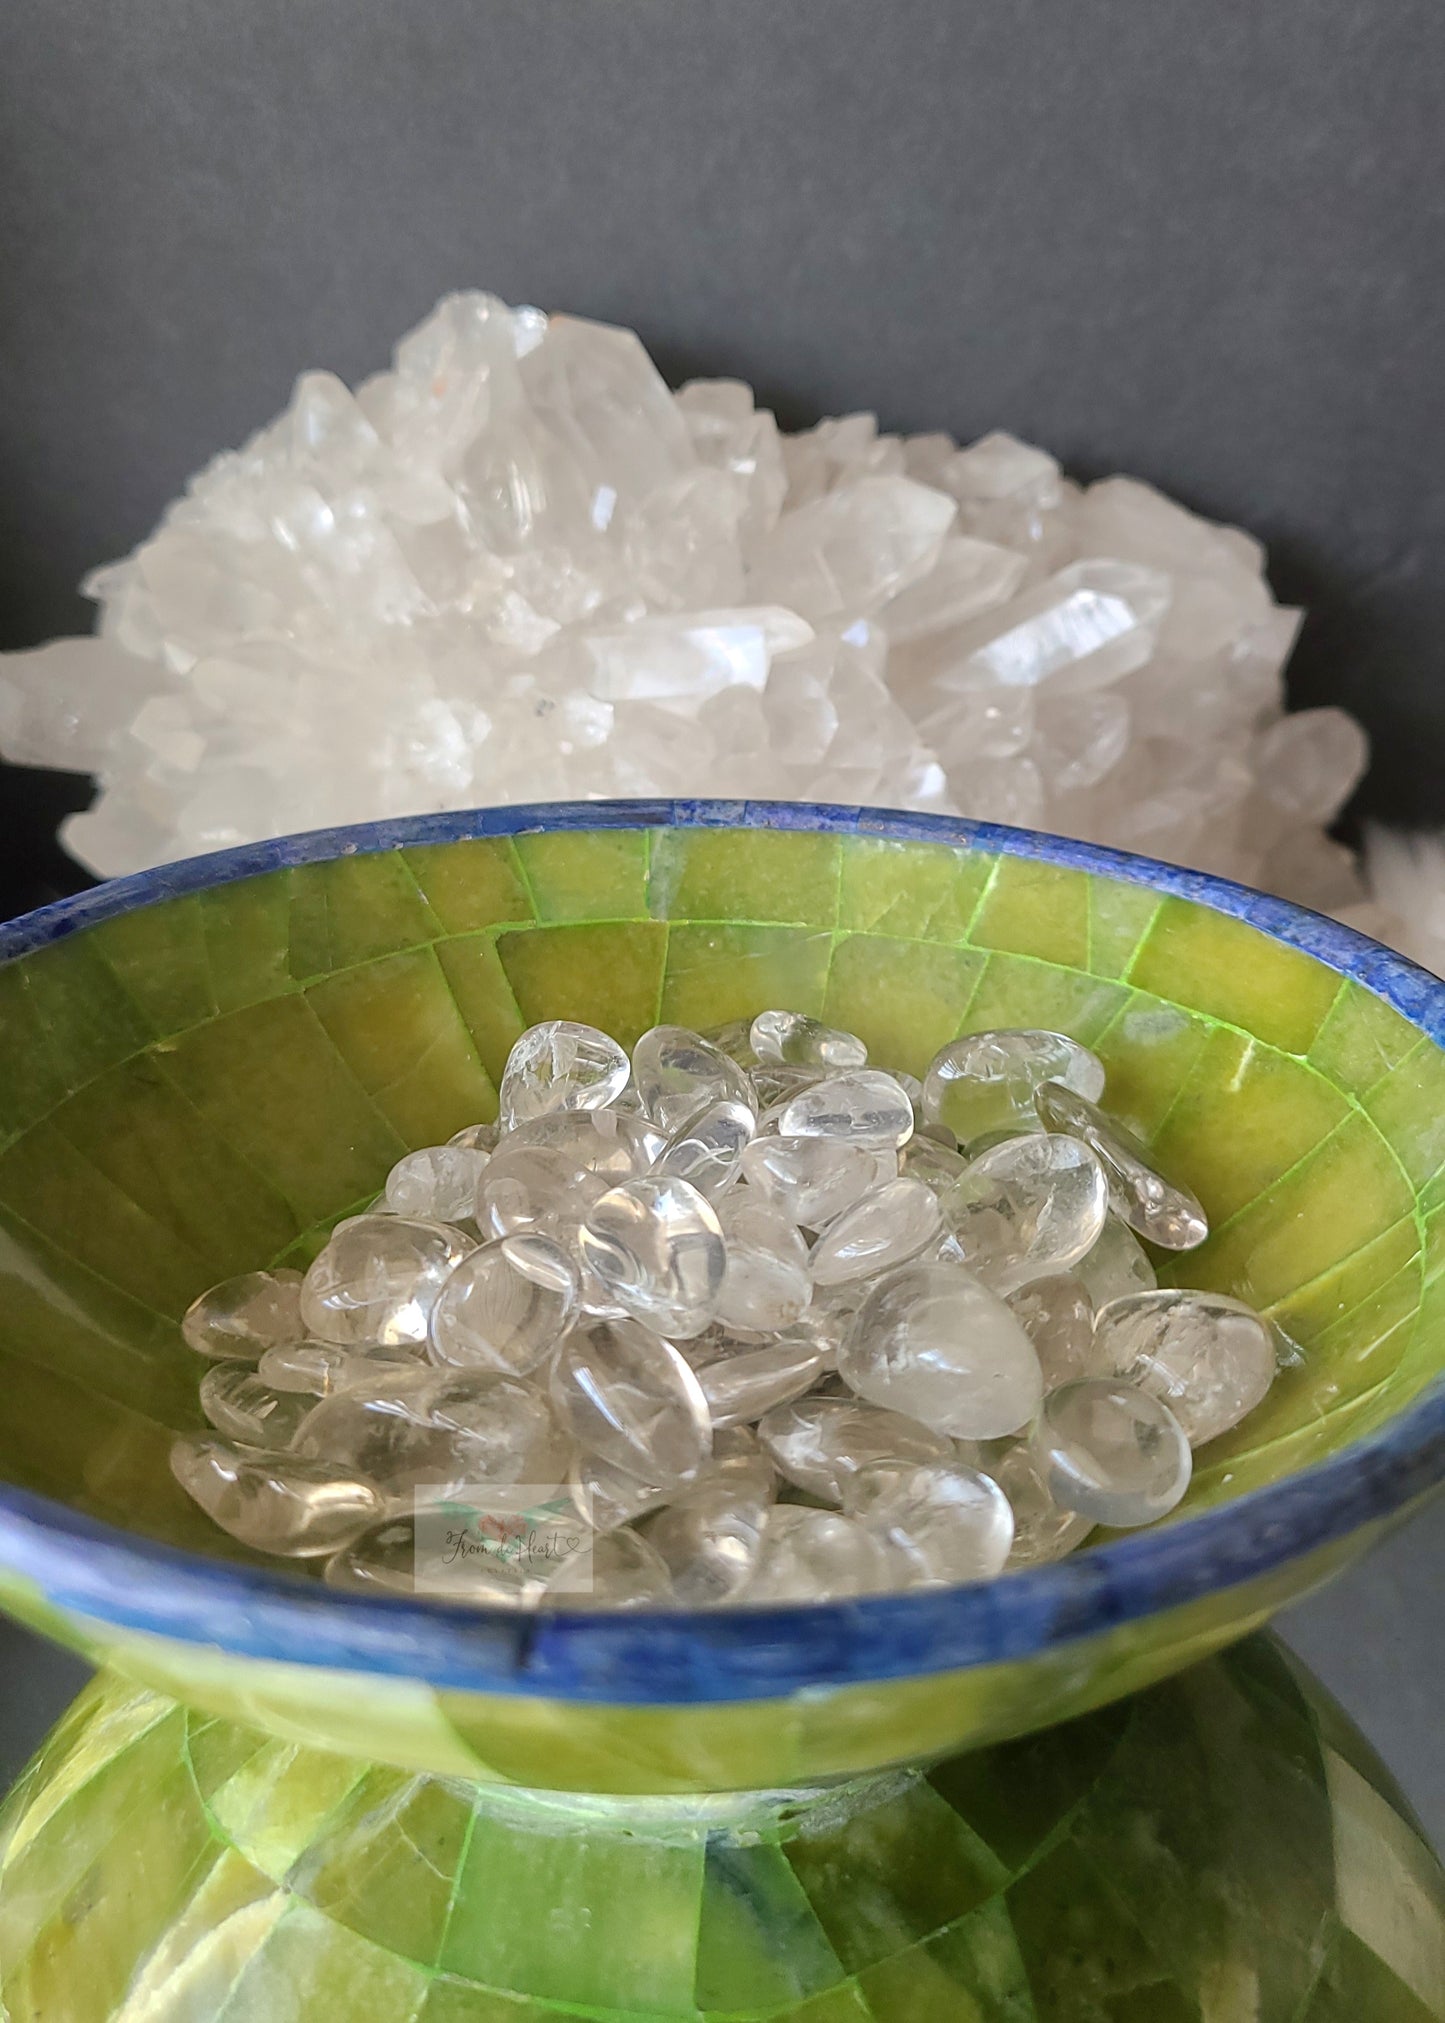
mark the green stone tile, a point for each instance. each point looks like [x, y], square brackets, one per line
[972, 1972]
[1016, 1795]
[1083, 1954]
[1232, 971]
[905, 998]
[745, 874]
[136, 1128]
[216, 1750]
[46, 1078]
[1306, 1314]
[474, 973]
[1434, 1248]
[190, 1973]
[1036, 909]
[1342, 1197]
[587, 875]
[353, 909]
[1388, 1889]
[270, 1081]
[1356, 1986]
[472, 885]
[1017, 990]
[90, 1020]
[1408, 1107]
[273, 1805]
[1361, 1040]
[919, 891]
[159, 956]
[505, 1932]
[247, 927]
[450, 2001]
[1244, 1116]
[309, 1967]
[387, 1862]
[607, 976]
[1149, 1050]
[840, 2005]
[719, 973]
[1119, 917]
[1243, 1460]
[889, 1874]
[759, 1947]
[398, 1028]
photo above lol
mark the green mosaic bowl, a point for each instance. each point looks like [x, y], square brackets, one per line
[206, 1066]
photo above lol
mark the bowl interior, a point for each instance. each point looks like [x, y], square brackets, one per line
[198, 1084]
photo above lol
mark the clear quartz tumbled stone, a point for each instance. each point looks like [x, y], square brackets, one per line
[386, 1560]
[378, 1279]
[606, 1495]
[1166, 1214]
[820, 1443]
[932, 1342]
[804, 1042]
[546, 1175]
[940, 1522]
[1057, 1315]
[560, 1065]
[616, 1569]
[678, 1073]
[243, 1407]
[506, 1306]
[1111, 1452]
[627, 1396]
[815, 1555]
[1044, 1530]
[657, 1246]
[742, 1386]
[711, 1535]
[1118, 1264]
[297, 1508]
[1211, 1359]
[437, 1184]
[864, 1107]
[987, 1081]
[885, 1229]
[810, 1180]
[238, 1320]
[765, 1281]
[1026, 1208]
[708, 1150]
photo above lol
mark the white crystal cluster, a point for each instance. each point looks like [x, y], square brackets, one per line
[518, 567]
[764, 1322]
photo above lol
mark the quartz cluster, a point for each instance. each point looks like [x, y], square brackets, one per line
[776, 1324]
[517, 567]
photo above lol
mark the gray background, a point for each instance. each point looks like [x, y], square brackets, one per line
[1200, 242]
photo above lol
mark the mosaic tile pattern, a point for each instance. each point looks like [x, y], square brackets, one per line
[193, 1087]
[1223, 1846]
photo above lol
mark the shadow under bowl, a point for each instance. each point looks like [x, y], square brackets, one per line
[207, 1065]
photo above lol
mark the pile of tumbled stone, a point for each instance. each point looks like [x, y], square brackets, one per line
[777, 1325]
[517, 567]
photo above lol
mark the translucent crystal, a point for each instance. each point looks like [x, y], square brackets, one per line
[742, 1386]
[386, 1561]
[316, 1369]
[711, 1536]
[678, 1073]
[821, 1443]
[476, 1138]
[765, 1281]
[810, 1180]
[275, 1503]
[447, 1430]
[1111, 1452]
[1168, 1215]
[438, 1184]
[378, 1279]
[804, 1042]
[815, 1555]
[935, 1164]
[1118, 1264]
[886, 1228]
[1210, 1359]
[242, 1406]
[1089, 625]
[241, 1318]
[708, 1149]
[546, 1176]
[657, 1246]
[1027, 1208]
[932, 1342]
[606, 1495]
[629, 1398]
[1043, 1530]
[863, 1107]
[614, 1570]
[506, 1306]
[1057, 1315]
[940, 1522]
[987, 1081]
[560, 1065]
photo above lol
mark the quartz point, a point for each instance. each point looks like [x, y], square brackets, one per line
[657, 1247]
[238, 1320]
[819, 1444]
[1027, 1208]
[506, 1306]
[1211, 1359]
[885, 1229]
[627, 1396]
[1111, 1452]
[932, 1342]
[560, 1065]
[1167, 1215]
[815, 1555]
[863, 1107]
[988, 1081]
[275, 1503]
[941, 1522]
[378, 1279]
[779, 1036]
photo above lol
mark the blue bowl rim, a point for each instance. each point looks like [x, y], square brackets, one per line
[136, 1586]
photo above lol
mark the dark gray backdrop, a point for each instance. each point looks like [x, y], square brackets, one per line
[1198, 240]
